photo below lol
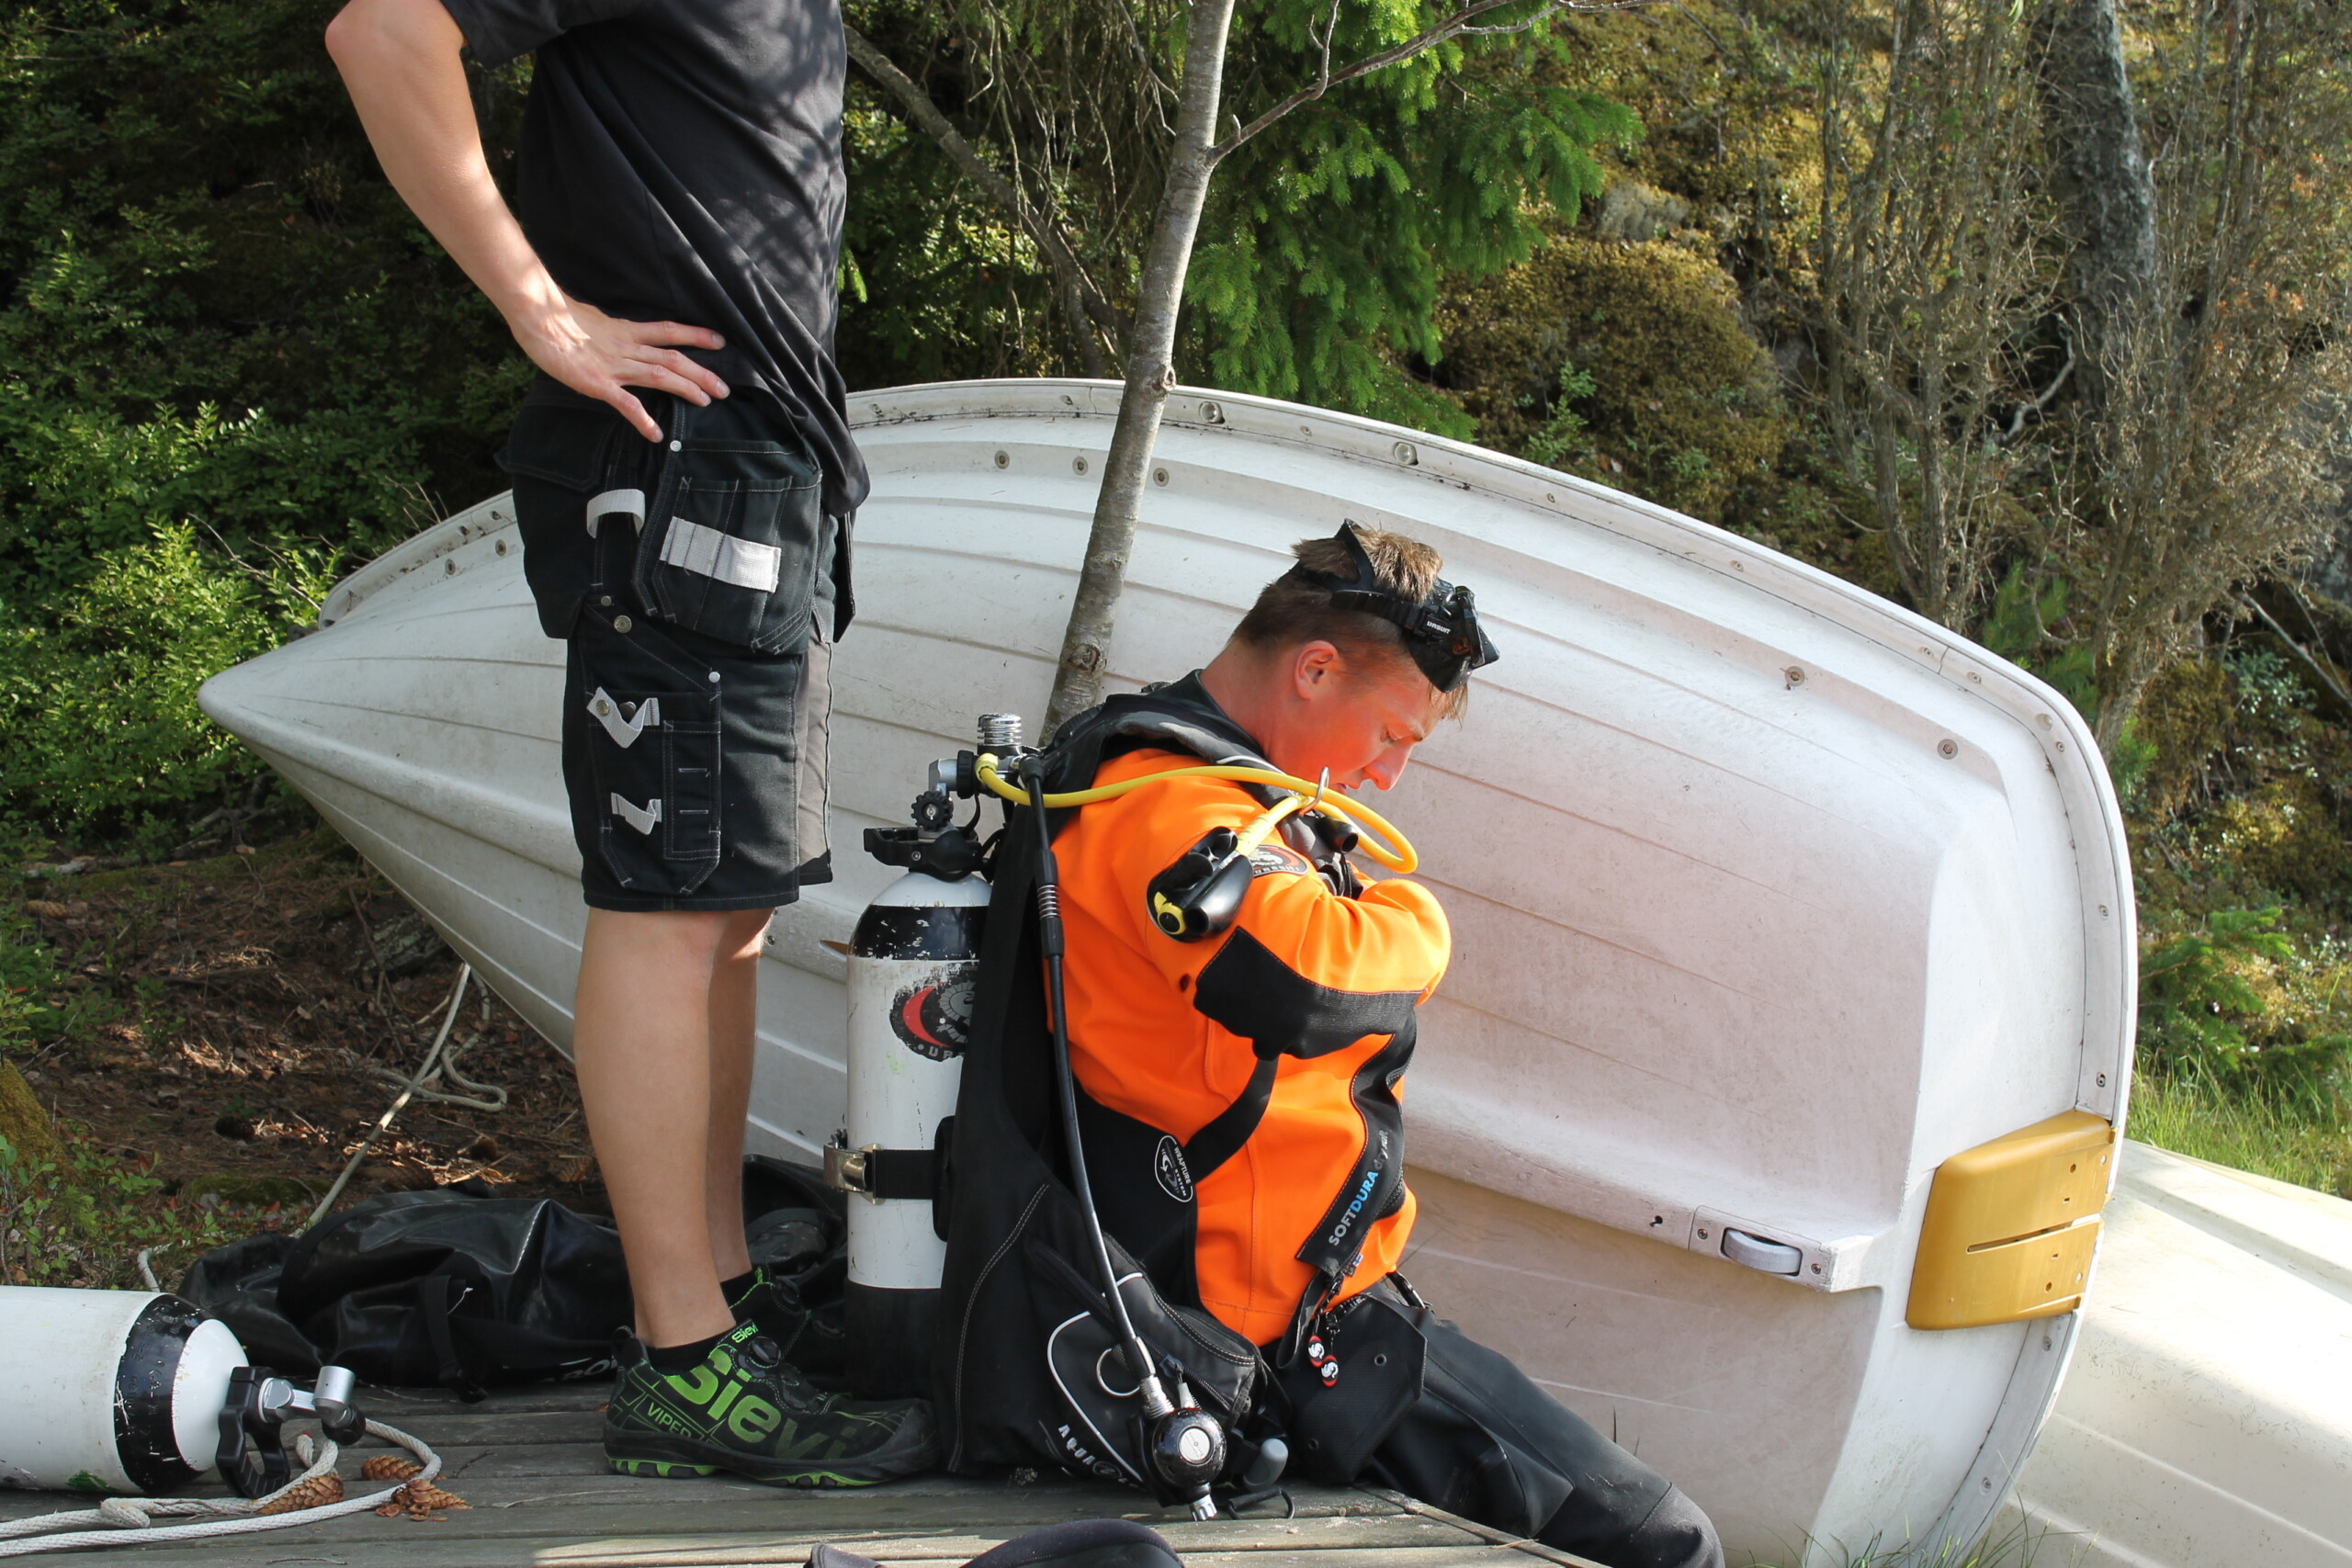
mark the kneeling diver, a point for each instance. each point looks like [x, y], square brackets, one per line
[1239, 1015]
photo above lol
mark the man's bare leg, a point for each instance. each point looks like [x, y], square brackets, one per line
[642, 1045]
[734, 1006]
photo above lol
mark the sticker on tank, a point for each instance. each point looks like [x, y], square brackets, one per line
[933, 1017]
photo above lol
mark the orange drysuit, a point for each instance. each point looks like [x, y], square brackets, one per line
[1260, 1066]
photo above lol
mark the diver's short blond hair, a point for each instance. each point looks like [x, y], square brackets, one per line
[1294, 608]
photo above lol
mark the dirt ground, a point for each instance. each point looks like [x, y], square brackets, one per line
[231, 1020]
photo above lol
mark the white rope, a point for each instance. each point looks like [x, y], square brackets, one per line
[457, 1001]
[483, 1095]
[130, 1519]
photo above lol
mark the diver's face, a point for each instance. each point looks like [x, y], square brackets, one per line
[1361, 719]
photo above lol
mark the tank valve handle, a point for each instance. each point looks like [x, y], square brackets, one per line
[934, 845]
[251, 1455]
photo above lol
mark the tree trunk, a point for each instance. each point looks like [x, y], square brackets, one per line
[1150, 370]
[2106, 196]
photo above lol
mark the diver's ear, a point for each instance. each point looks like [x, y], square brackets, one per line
[1316, 667]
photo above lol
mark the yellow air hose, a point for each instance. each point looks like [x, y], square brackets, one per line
[1390, 848]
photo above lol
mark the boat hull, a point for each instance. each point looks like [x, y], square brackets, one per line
[1768, 895]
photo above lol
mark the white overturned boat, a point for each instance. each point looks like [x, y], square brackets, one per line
[1769, 899]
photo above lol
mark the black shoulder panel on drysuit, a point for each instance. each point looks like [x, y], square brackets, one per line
[1251, 992]
[1019, 1259]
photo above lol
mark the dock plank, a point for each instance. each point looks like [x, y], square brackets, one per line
[530, 1464]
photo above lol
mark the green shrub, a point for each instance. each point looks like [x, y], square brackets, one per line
[2238, 1003]
[1627, 364]
[98, 723]
[2026, 607]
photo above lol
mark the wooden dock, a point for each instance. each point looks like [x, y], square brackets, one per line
[530, 1464]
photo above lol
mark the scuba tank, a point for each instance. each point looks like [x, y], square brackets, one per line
[137, 1391]
[110, 1391]
[913, 963]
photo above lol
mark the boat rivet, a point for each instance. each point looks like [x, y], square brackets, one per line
[1003, 460]
[1974, 676]
[2062, 745]
[2102, 1083]
[1550, 497]
[1987, 1483]
[501, 547]
[2043, 718]
[1702, 1236]
[1816, 1268]
[622, 624]
[1159, 476]
[1211, 414]
[449, 567]
[2045, 1342]
[1303, 429]
[1947, 749]
[1795, 676]
[2102, 911]
[1077, 464]
[1406, 456]
[1071, 400]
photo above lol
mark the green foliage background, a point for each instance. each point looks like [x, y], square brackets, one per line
[230, 363]
[233, 366]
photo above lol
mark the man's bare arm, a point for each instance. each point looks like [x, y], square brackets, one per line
[400, 59]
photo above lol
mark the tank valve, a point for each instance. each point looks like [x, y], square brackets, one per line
[251, 1455]
[1000, 732]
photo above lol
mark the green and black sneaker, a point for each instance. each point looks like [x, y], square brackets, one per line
[808, 1340]
[746, 1411]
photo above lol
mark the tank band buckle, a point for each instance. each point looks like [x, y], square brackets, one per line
[879, 1174]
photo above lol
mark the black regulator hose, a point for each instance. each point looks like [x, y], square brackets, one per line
[1187, 1446]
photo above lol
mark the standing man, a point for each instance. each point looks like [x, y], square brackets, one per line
[684, 478]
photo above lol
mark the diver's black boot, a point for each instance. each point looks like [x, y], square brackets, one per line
[743, 1409]
[808, 1340]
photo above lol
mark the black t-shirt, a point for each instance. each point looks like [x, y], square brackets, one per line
[682, 161]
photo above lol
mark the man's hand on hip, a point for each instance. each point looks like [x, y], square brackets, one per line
[604, 356]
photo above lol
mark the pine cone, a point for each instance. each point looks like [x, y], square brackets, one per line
[315, 1493]
[428, 1497]
[419, 1499]
[389, 1467]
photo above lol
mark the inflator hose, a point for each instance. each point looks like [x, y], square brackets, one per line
[1390, 848]
[1157, 1408]
[1050, 939]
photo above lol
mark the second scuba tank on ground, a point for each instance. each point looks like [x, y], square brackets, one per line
[137, 1392]
[913, 963]
[110, 1391]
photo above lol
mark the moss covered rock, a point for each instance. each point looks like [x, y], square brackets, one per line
[23, 1123]
[1625, 363]
[2185, 717]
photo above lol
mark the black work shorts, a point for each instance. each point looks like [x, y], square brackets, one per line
[692, 581]
[1413, 1404]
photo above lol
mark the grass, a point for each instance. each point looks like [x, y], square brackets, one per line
[2287, 1138]
[83, 1221]
[2011, 1541]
